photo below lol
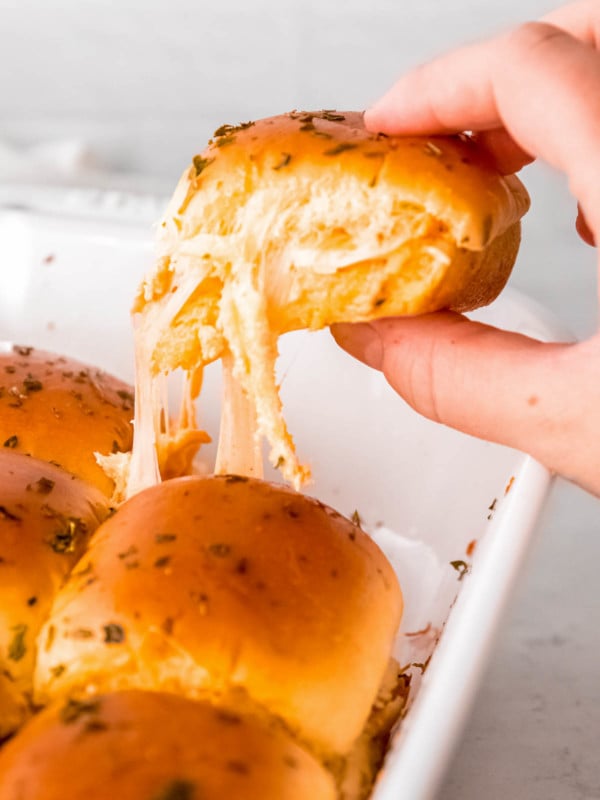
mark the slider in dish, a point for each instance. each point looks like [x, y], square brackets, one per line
[46, 518]
[60, 410]
[244, 594]
[137, 745]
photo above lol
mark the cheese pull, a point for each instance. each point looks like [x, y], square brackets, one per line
[300, 221]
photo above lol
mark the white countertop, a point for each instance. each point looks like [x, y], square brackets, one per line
[534, 731]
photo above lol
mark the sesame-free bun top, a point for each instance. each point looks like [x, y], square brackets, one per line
[60, 410]
[323, 195]
[307, 219]
[46, 518]
[235, 590]
[151, 746]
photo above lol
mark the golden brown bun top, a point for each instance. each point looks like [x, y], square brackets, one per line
[60, 410]
[46, 518]
[233, 589]
[152, 746]
[447, 175]
[304, 220]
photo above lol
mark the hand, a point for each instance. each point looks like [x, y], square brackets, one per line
[533, 93]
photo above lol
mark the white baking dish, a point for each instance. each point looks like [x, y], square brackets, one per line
[426, 493]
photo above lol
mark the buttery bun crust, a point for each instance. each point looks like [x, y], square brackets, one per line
[304, 220]
[46, 518]
[362, 225]
[152, 746]
[234, 590]
[59, 410]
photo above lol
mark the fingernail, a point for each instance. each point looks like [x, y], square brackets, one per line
[583, 229]
[372, 117]
[361, 340]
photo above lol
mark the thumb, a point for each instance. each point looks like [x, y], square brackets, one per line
[499, 386]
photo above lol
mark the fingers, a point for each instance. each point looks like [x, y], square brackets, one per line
[581, 20]
[442, 96]
[506, 154]
[498, 386]
[538, 83]
[437, 361]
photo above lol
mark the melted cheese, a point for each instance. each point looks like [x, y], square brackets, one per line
[244, 280]
[242, 335]
[241, 283]
[225, 277]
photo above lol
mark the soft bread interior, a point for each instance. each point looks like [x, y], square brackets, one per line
[300, 221]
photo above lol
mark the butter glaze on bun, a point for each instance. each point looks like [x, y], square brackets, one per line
[233, 590]
[46, 518]
[362, 225]
[307, 219]
[60, 410]
[153, 746]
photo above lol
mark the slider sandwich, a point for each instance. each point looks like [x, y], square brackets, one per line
[135, 745]
[54, 414]
[300, 221]
[60, 410]
[46, 518]
[243, 594]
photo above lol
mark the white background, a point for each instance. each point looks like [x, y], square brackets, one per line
[144, 83]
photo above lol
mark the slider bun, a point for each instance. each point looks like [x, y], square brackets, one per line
[46, 518]
[152, 746]
[60, 410]
[234, 590]
[304, 220]
[345, 225]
